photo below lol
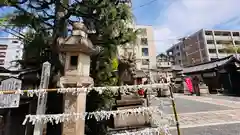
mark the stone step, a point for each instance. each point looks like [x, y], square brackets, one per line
[129, 107]
[129, 129]
[129, 102]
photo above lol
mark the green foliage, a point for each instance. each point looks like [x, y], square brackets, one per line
[108, 19]
[102, 68]
[98, 101]
[114, 63]
[230, 48]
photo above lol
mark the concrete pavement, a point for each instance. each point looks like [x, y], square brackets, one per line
[198, 114]
[212, 100]
[228, 129]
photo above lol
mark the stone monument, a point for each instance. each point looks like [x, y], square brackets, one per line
[76, 49]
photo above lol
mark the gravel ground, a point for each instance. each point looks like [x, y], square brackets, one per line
[229, 129]
[187, 106]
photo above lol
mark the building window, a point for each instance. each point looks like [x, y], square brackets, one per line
[218, 42]
[1, 62]
[226, 34]
[178, 54]
[210, 42]
[224, 42]
[144, 41]
[235, 34]
[177, 47]
[212, 50]
[217, 33]
[74, 61]
[2, 54]
[3, 47]
[221, 50]
[14, 41]
[237, 42]
[208, 32]
[145, 61]
[145, 52]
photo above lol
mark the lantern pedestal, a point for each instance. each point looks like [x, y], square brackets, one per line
[131, 121]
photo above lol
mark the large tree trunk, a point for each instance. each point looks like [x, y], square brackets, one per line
[55, 100]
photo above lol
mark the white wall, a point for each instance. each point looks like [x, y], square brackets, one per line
[151, 46]
[13, 52]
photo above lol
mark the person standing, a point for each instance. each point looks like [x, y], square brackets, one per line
[196, 82]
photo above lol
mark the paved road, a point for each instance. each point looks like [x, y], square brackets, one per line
[228, 129]
[225, 97]
[187, 106]
[212, 115]
[215, 100]
[209, 118]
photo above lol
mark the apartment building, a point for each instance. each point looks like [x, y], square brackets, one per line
[144, 49]
[164, 66]
[164, 61]
[3, 49]
[176, 53]
[10, 50]
[203, 46]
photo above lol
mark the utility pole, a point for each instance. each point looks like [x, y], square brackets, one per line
[42, 99]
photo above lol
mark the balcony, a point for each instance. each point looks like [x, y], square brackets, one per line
[1, 62]
[211, 46]
[164, 64]
[213, 55]
[236, 38]
[223, 38]
[221, 46]
[222, 55]
[209, 37]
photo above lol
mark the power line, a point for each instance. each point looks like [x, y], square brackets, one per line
[146, 4]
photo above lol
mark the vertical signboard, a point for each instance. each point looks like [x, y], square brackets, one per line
[10, 100]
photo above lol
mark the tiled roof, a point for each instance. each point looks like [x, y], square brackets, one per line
[210, 65]
[177, 68]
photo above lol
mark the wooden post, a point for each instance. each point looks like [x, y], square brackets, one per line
[42, 99]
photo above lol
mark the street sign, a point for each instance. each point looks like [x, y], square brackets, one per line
[10, 100]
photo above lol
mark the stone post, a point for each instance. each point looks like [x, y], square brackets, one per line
[74, 103]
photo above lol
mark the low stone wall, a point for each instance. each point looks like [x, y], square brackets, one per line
[130, 102]
[203, 90]
[131, 120]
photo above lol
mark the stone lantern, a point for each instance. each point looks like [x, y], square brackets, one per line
[76, 49]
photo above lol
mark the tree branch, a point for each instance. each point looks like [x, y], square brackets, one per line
[39, 19]
[13, 34]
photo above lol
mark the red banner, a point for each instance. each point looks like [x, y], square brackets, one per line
[189, 84]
